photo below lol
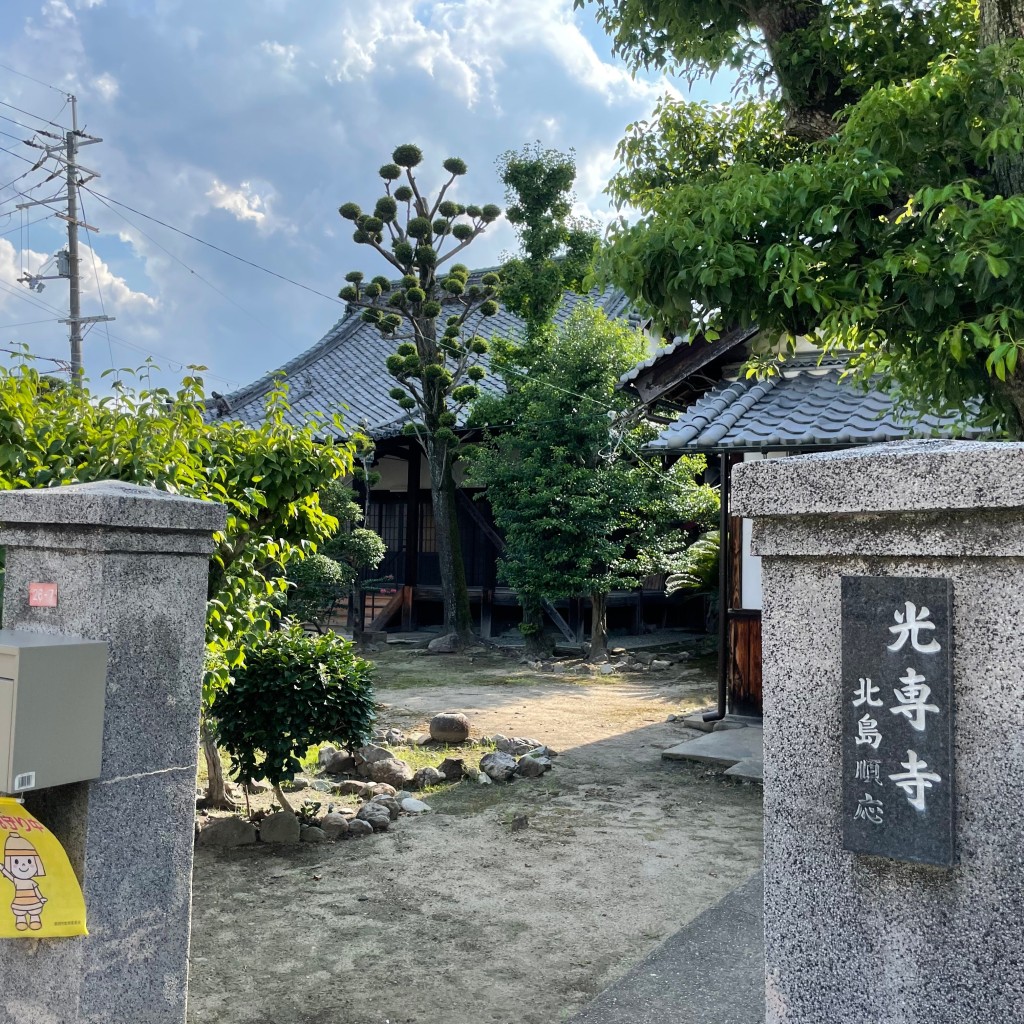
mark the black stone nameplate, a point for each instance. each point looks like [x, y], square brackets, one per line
[898, 782]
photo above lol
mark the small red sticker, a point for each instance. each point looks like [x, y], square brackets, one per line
[42, 595]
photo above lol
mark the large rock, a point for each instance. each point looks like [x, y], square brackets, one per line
[453, 769]
[341, 762]
[313, 835]
[427, 777]
[297, 783]
[391, 803]
[447, 644]
[334, 826]
[359, 827]
[498, 766]
[413, 806]
[449, 727]
[227, 832]
[282, 827]
[391, 772]
[380, 789]
[353, 787]
[370, 754]
[532, 767]
[376, 815]
[515, 745]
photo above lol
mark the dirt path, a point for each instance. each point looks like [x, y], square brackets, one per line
[456, 918]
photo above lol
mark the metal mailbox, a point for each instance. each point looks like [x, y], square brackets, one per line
[52, 693]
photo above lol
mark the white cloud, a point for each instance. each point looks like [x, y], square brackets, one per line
[243, 203]
[13, 294]
[284, 55]
[463, 46]
[118, 296]
[106, 86]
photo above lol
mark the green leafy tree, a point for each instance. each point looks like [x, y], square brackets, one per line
[581, 511]
[426, 312]
[556, 252]
[294, 690]
[556, 249]
[892, 229]
[320, 580]
[268, 477]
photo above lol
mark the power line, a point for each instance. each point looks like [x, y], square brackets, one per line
[216, 248]
[96, 275]
[18, 155]
[191, 270]
[38, 220]
[15, 71]
[28, 113]
[29, 323]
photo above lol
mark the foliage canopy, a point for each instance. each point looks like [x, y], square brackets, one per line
[581, 512]
[294, 690]
[895, 232]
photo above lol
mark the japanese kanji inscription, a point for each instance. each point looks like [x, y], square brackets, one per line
[897, 718]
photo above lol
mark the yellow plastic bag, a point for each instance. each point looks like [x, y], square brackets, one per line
[35, 875]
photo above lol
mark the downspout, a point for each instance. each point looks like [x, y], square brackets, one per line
[723, 588]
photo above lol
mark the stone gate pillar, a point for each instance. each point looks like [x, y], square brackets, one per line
[130, 564]
[857, 937]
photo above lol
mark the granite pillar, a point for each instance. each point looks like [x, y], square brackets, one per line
[131, 566]
[867, 939]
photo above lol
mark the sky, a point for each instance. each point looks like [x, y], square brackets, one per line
[247, 123]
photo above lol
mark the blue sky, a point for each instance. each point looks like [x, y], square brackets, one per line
[247, 123]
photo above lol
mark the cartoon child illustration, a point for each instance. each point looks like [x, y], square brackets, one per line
[22, 865]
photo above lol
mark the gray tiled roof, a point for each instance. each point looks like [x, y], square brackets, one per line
[345, 371]
[667, 349]
[803, 408]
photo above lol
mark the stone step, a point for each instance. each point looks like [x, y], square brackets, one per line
[725, 748]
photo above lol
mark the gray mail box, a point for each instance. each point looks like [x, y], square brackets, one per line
[52, 691]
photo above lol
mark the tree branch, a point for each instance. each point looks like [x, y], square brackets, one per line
[440, 196]
[477, 230]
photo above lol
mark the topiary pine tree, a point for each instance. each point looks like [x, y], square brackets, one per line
[436, 370]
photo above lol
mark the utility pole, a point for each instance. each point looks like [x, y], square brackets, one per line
[65, 151]
[75, 314]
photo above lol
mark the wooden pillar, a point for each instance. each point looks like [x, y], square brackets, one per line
[412, 532]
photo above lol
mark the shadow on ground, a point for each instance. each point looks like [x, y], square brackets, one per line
[463, 916]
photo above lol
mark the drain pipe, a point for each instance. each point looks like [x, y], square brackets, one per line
[723, 587]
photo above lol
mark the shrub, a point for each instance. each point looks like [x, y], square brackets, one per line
[295, 690]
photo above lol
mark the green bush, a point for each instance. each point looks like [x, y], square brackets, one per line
[319, 583]
[294, 690]
[697, 567]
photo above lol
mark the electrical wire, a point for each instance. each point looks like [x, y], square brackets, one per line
[4, 149]
[216, 248]
[15, 71]
[38, 220]
[28, 323]
[96, 274]
[28, 113]
[248, 312]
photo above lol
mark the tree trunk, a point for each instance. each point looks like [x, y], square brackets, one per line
[454, 593]
[283, 800]
[1002, 21]
[1011, 391]
[218, 792]
[598, 628]
[537, 642]
[811, 91]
